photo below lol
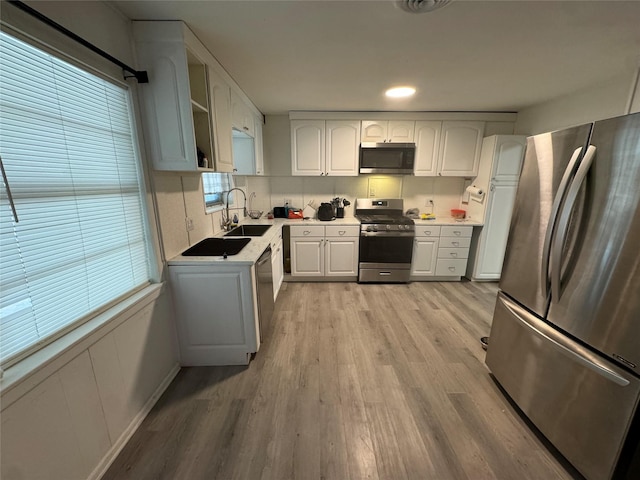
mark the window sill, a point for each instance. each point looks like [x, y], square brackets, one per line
[33, 369]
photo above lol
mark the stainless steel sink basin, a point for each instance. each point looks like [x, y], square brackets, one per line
[217, 247]
[248, 231]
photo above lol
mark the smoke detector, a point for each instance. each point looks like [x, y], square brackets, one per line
[421, 6]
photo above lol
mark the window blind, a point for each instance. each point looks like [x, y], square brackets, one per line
[67, 146]
[214, 185]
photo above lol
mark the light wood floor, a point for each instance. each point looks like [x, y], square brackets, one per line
[353, 382]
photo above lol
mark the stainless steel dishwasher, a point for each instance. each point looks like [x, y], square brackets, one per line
[264, 279]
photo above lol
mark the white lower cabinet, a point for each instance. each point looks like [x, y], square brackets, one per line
[277, 264]
[319, 251]
[440, 251]
[425, 251]
[215, 313]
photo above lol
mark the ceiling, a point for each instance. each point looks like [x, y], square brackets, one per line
[472, 55]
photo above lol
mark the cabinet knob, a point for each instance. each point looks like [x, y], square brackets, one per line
[245, 128]
[235, 169]
[321, 174]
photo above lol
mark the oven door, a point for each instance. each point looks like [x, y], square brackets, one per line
[385, 257]
[385, 248]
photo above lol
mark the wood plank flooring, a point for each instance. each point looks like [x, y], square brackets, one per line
[353, 381]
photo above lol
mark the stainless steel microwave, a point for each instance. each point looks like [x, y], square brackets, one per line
[387, 158]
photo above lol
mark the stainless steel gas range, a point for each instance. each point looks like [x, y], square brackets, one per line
[386, 241]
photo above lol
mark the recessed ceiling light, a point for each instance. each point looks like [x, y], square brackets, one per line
[398, 92]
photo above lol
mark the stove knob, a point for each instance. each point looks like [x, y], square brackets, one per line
[375, 228]
[388, 227]
[369, 228]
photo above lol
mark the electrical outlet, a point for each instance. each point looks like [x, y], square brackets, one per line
[189, 223]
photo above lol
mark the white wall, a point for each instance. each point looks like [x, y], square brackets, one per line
[597, 102]
[68, 409]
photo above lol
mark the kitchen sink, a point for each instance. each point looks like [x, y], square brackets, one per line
[248, 231]
[216, 247]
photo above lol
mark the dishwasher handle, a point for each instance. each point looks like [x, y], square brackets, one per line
[265, 257]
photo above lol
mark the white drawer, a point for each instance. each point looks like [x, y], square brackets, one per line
[342, 231]
[427, 231]
[455, 231]
[307, 231]
[453, 253]
[451, 268]
[455, 242]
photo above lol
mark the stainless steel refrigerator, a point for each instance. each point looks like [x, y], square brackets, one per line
[565, 338]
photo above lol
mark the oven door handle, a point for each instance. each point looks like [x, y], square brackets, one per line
[387, 234]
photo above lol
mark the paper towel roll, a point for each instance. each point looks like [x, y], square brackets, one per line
[476, 193]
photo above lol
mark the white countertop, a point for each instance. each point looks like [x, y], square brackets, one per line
[252, 251]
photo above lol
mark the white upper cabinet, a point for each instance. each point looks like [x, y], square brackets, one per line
[307, 147]
[321, 148]
[427, 147]
[450, 148]
[221, 95]
[248, 156]
[342, 147]
[241, 115]
[460, 145]
[259, 156]
[384, 131]
[176, 99]
[187, 104]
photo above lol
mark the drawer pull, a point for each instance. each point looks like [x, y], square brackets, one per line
[453, 254]
[427, 232]
[385, 273]
[342, 232]
[455, 244]
[452, 269]
[306, 232]
[457, 232]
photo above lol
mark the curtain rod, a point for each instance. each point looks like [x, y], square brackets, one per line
[140, 76]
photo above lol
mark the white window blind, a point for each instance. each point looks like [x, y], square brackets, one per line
[214, 185]
[68, 150]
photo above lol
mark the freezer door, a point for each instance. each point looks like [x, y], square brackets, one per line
[550, 162]
[580, 401]
[596, 253]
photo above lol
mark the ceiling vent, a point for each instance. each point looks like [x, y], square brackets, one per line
[421, 6]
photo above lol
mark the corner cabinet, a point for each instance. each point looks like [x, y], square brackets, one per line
[183, 107]
[448, 149]
[323, 148]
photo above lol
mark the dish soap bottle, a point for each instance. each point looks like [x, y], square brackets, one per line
[235, 219]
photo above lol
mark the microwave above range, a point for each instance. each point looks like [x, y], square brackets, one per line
[393, 158]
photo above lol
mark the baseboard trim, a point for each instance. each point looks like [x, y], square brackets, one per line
[117, 447]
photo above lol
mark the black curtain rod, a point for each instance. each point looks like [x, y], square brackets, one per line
[140, 76]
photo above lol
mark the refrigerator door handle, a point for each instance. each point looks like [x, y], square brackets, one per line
[555, 208]
[591, 365]
[563, 222]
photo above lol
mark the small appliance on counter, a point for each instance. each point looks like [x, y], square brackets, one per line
[326, 212]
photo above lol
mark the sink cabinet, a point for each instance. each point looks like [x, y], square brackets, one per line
[216, 313]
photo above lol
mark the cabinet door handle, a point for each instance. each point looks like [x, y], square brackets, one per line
[245, 128]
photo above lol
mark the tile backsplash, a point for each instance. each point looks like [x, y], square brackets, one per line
[446, 192]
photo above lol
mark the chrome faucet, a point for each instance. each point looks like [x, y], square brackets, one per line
[227, 223]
